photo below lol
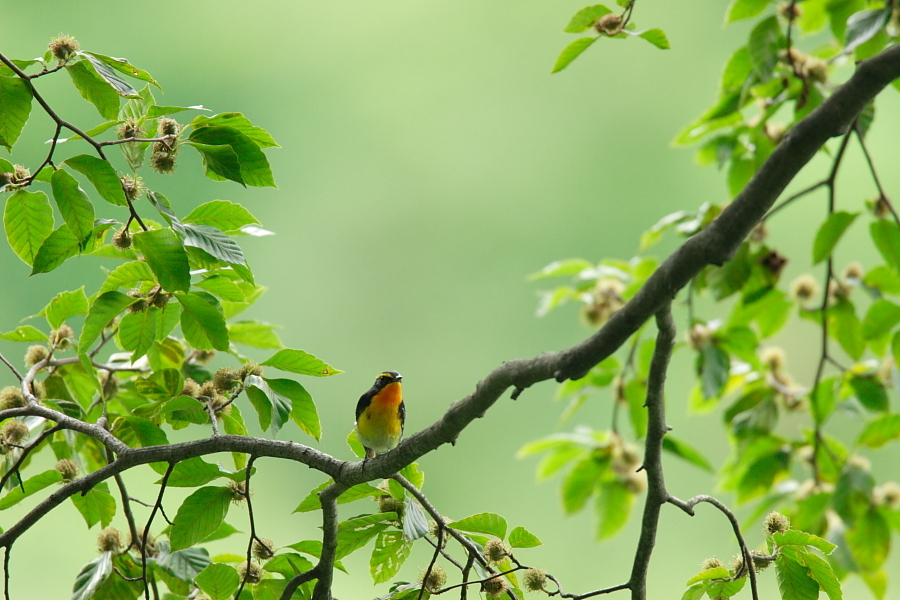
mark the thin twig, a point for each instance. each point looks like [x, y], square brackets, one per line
[246, 494]
[871, 163]
[437, 552]
[15, 468]
[158, 504]
[11, 367]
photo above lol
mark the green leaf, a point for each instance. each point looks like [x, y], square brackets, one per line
[213, 241]
[487, 523]
[96, 506]
[830, 233]
[123, 66]
[104, 309]
[708, 574]
[821, 571]
[272, 407]
[793, 537]
[24, 333]
[56, 249]
[414, 475]
[844, 326]
[237, 121]
[353, 534]
[164, 252]
[127, 275]
[254, 333]
[65, 305]
[202, 322]
[853, 493]
[880, 431]
[870, 392]
[415, 523]
[302, 408]
[794, 581]
[15, 106]
[222, 214]
[880, 319]
[194, 472]
[199, 515]
[300, 362]
[184, 564]
[389, 554]
[586, 18]
[94, 88]
[31, 485]
[91, 576]
[571, 52]
[28, 221]
[219, 581]
[657, 37]
[886, 236]
[253, 165]
[823, 399]
[614, 504]
[713, 367]
[766, 41]
[101, 175]
[562, 268]
[222, 287]
[122, 87]
[863, 25]
[138, 432]
[687, 452]
[219, 162]
[137, 331]
[744, 9]
[520, 537]
[869, 540]
[288, 565]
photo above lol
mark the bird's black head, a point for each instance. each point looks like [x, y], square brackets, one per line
[387, 377]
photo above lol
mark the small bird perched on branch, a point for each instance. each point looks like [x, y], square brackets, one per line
[380, 415]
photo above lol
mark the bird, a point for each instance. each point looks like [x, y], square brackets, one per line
[380, 415]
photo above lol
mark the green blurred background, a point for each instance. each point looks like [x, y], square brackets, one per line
[429, 163]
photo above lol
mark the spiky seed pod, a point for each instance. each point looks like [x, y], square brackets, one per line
[773, 262]
[804, 288]
[737, 567]
[495, 550]
[789, 11]
[433, 531]
[20, 174]
[252, 571]
[888, 494]
[609, 24]
[773, 357]
[160, 300]
[879, 205]
[109, 540]
[11, 397]
[191, 388]
[226, 379]
[163, 162]
[534, 580]
[61, 338]
[220, 405]
[388, 504]
[36, 354]
[815, 68]
[776, 523]
[14, 432]
[208, 389]
[761, 561]
[494, 587]
[152, 547]
[167, 126]
[263, 551]
[698, 336]
[853, 270]
[710, 563]
[139, 306]
[133, 187]
[121, 240]
[238, 491]
[250, 368]
[129, 129]
[203, 357]
[63, 47]
[433, 580]
[110, 385]
[68, 468]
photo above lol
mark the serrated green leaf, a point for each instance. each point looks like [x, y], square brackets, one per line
[199, 515]
[744, 9]
[91, 576]
[657, 37]
[96, 506]
[123, 66]
[794, 581]
[881, 318]
[65, 305]
[219, 162]
[237, 121]
[202, 322]
[288, 565]
[793, 537]
[353, 534]
[126, 275]
[94, 88]
[183, 564]
[28, 221]
[571, 52]
[520, 537]
[766, 41]
[880, 431]
[138, 432]
[212, 241]
[254, 333]
[870, 392]
[137, 331]
[273, 407]
[222, 287]
[302, 408]
[713, 366]
[219, 581]
[585, 18]
[863, 26]
[487, 523]
[31, 485]
[104, 309]
[886, 236]
[164, 252]
[102, 176]
[844, 326]
[300, 362]
[687, 452]
[708, 574]
[222, 214]
[562, 268]
[252, 162]
[59, 246]
[614, 503]
[389, 554]
[821, 571]
[830, 233]
[15, 107]
[869, 540]
[121, 87]
[24, 333]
